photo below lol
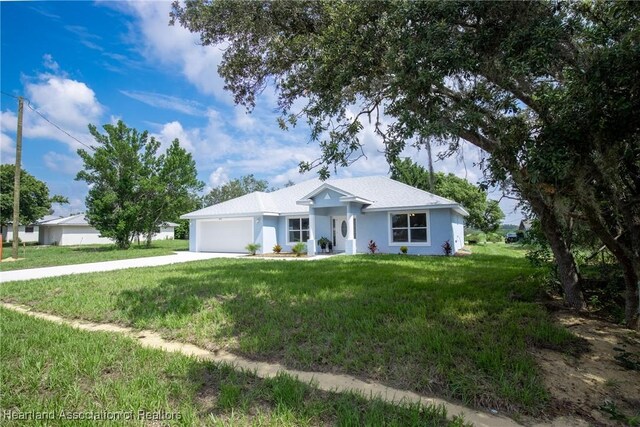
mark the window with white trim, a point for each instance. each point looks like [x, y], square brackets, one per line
[409, 228]
[298, 230]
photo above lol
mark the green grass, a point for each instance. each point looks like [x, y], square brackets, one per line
[48, 368]
[46, 256]
[459, 327]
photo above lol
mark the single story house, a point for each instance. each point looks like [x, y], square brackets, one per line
[349, 212]
[26, 233]
[76, 230]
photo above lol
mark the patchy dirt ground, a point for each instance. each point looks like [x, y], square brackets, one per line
[602, 384]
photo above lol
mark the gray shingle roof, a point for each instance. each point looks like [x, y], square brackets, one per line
[383, 192]
[78, 219]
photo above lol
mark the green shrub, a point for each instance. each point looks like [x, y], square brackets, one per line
[252, 248]
[404, 249]
[299, 249]
[494, 237]
[476, 237]
[277, 249]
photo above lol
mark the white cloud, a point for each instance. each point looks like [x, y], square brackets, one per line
[75, 205]
[58, 162]
[292, 174]
[68, 103]
[86, 38]
[174, 45]
[7, 149]
[243, 120]
[167, 102]
[218, 177]
[171, 131]
[50, 63]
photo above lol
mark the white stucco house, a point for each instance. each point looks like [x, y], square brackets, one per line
[76, 230]
[26, 233]
[349, 212]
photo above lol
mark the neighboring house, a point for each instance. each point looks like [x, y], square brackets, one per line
[525, 225]
[76, 230]
[349, 212]
[26, 233]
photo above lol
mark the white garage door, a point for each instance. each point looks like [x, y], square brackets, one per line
[224, 236]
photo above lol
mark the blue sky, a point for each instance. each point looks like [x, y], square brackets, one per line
[85, 62]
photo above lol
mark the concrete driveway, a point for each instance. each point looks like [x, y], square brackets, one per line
[93, 267]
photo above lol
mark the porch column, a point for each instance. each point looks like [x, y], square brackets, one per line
[311, 243]
[350, 242]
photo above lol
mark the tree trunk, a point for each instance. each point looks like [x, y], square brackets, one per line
[632, 295]
[567, 267]
[149, 238]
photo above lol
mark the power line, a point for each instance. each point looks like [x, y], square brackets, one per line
[35, 110]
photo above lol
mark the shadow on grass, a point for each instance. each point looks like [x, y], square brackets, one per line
[445, 325]
[225, 392]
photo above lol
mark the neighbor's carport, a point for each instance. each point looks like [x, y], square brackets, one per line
[224, 234]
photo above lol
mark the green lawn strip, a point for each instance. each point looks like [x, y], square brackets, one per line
[460, 327]
[47, 256]
[49, 368]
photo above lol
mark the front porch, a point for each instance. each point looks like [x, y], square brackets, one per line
[332, 215]
[338, 224]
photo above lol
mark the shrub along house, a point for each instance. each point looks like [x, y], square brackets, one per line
[349, 212]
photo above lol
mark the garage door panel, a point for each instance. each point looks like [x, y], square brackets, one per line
[225, 236]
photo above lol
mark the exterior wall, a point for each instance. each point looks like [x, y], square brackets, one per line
[193, 235]
[375, 226]
[7, 234]
[323, 225]
[81, 235]
[457, 223]
[323, 221]
[50, 235]
[269, 233]
[320, 200]
[165, 233]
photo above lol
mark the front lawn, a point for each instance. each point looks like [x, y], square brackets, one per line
[47, 256]
[66, 373]
[460, 327]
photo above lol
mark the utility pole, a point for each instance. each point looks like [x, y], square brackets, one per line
[16, 183]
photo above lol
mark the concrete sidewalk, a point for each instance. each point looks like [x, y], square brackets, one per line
[93, 267]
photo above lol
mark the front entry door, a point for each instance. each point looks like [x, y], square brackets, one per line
[339, 232]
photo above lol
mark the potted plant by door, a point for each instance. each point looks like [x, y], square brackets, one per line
[323, 242]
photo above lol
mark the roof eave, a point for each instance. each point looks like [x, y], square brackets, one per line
[459, 209]
[356, 199]
[229, 215]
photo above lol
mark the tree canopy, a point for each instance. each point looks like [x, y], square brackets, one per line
[484, 214]
[550, 91]
[235, 188]
[35, 201]
[133, 190]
